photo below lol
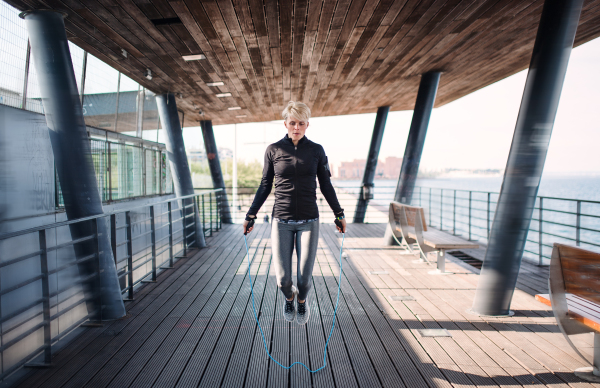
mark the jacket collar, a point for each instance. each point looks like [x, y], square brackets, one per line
[288, 140]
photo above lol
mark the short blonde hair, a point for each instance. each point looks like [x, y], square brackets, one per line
[296, 109]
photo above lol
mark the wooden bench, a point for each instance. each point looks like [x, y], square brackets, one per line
[574, 286]
[410, 230]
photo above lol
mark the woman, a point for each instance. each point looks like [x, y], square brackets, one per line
[294, 162]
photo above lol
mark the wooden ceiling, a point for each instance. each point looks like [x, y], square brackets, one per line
[339, 56]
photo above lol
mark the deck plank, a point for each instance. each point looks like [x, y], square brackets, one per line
[196, 326]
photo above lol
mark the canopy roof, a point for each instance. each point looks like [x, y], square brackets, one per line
[340, 57]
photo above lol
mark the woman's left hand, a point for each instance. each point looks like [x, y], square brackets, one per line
[343, 228]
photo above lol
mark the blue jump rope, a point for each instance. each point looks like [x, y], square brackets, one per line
[338, 223]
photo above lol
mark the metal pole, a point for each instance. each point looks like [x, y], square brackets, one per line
[234, 193]
[429, 210]
[366, 190]
[129, 255]
[184, 229]
[488, 214]
[118, 95]
[153, 240]
[71, 149]
[540, 224]
[26, 78]
[109, 168]
[46, 296]
[551, 51]
[203, 211]
[215, 167]
[578, 225]
[83, 73]
[180, 170]
[416, 136]
[470, 195]
[442, 209]
[211, 215]
[454, 214]
[170, 234]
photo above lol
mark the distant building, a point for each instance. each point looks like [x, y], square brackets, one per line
[388, 169]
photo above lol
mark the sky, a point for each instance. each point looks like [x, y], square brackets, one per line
[473, 132]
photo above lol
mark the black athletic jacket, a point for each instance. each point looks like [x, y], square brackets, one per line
[294, 170]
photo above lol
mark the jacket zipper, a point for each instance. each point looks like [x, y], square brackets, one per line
[296, 177]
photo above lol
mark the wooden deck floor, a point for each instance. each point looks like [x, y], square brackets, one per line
[195, 326]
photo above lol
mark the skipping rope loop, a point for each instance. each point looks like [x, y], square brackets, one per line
[332, 325]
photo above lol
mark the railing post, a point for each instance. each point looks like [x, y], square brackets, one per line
[153, 240]
[170, 234]
[488, 214]
[470, 195]
[46, 296]
[211, 213]
[454, 214]
[540, 230]
[113, 243]
[430, 206]
[129, 256]
[442, 209]
[218, 199]
[578, 225]
[184, 230]
[98, 294]
[109, 170]
[203, 215]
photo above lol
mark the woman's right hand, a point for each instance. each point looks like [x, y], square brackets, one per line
[246, 227]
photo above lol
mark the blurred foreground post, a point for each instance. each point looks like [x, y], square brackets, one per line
[415, 143]
[212, 155]
[73, 158]
[180, 169]
[366, 191]
[508, 235]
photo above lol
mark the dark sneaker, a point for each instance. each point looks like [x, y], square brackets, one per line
[289, 309]
[303, 313]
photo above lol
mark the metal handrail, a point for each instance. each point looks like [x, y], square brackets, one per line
[159, 246]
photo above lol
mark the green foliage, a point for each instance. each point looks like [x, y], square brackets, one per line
[249, 173]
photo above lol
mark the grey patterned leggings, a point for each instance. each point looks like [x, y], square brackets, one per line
[284, 237]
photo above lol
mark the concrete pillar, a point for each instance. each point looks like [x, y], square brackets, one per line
[180, 169]
[415, 142]
[366, 191]
[508, 235]
[72, 153]
[215, 167]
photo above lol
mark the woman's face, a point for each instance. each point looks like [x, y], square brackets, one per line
[296, 128]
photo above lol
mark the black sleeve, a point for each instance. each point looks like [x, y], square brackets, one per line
[266, 183]
[324, 177]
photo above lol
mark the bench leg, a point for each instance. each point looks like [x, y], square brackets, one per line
[441, 264]
[592, 373]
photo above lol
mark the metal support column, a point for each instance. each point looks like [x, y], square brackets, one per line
[215, 166]
[553, 45]
[415, 142]
[366, 191]
[180, 170]
[72, 153]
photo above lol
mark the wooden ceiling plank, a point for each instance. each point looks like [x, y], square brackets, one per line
[299, 26]
[164, 8]
[369, 40]
[325, 20]
[215, 18]
[418, 21]
[354, 12]
[252, 67]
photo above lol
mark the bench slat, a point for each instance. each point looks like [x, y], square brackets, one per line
[579, 309]
[580, 269]
[440, 240]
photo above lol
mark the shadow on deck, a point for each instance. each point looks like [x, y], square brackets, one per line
[195, 326]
